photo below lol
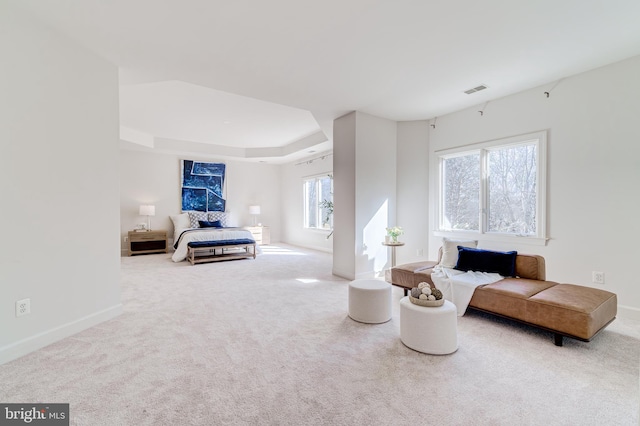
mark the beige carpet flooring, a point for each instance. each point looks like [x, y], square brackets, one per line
[269, 342]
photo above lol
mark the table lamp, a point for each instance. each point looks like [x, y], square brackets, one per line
[255, 211]
[148, 211]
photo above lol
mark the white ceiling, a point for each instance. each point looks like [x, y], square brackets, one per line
[264, 80]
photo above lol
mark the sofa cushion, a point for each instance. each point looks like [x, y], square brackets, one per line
[508, 297]
[407, 275]
[572, 309]
[472, 259]
[449, 251]
[518, 287]
[530, 266]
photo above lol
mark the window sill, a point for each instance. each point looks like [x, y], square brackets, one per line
[324, 231]
[511, 239]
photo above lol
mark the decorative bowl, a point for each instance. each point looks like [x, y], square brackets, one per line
[427, 303]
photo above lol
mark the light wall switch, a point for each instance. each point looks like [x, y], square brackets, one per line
[597, 277]
[23, 307]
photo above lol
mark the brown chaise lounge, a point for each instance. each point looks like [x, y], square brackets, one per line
[566, 310]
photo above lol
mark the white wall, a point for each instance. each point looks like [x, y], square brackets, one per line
[293, 231]
[344, 195]
[593, 172]
[376, 143]
[59, 185]
[412, 197]
[154, 178]
[364, 193]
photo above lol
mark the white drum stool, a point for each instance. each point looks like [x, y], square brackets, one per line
[370, 301]
[431, 330]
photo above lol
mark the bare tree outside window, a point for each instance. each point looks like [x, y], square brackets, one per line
[461, 192]
[326, 201]
[495, 187]
[318, 202]
[311, 203]
[512, 190]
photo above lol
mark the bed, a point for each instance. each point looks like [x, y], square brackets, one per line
[209, 241]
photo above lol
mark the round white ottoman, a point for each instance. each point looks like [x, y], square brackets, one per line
[432, 330]
[370, 301]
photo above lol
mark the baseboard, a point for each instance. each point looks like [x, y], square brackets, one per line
[342, 274]
[318, 248]
[629, 312]
[40, 340]
[304, 245]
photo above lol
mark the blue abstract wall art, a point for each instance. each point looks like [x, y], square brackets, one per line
[202, 185]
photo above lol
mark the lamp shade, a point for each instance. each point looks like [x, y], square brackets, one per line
[146, 210]
[254, 209]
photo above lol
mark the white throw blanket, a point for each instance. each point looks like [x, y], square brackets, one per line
[207, 234]
[458, 286]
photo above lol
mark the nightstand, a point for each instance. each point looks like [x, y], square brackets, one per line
[261, 234]
[147, 242]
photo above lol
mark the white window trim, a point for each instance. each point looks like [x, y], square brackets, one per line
[325, 231]
[541, 237]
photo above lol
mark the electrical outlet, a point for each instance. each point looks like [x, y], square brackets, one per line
[420, 252]
[597, 277]
[126, 238]
[23, 307]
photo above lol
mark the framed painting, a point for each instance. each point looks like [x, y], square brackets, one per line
[202, 186]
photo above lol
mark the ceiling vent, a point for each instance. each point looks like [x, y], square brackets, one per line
[475, 89]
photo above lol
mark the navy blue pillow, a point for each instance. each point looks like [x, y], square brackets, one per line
[472, 259]
[214, 224]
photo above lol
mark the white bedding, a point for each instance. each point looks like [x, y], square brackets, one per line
[206, 234]
[458, 286]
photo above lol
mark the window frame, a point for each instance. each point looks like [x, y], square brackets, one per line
[317, 179]
[483, 148]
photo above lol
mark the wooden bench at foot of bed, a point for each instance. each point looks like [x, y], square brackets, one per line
[214, 251]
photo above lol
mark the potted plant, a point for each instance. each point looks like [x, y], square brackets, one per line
[327, 205]
[394, 233]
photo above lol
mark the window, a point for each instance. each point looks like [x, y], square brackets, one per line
[495, 188]
[461, 178]
[318, 202]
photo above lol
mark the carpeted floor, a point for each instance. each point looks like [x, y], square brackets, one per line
[268, 342]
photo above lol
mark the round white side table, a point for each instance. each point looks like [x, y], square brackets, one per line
[431, 330]
[370, 301]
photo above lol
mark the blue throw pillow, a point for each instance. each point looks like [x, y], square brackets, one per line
[471, 259]
[206, 224]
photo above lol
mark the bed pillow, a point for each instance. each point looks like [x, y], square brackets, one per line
[221, 216]
[195, 217]
[450, 251]
[472, 259]
[180, 223]
[207, 224]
